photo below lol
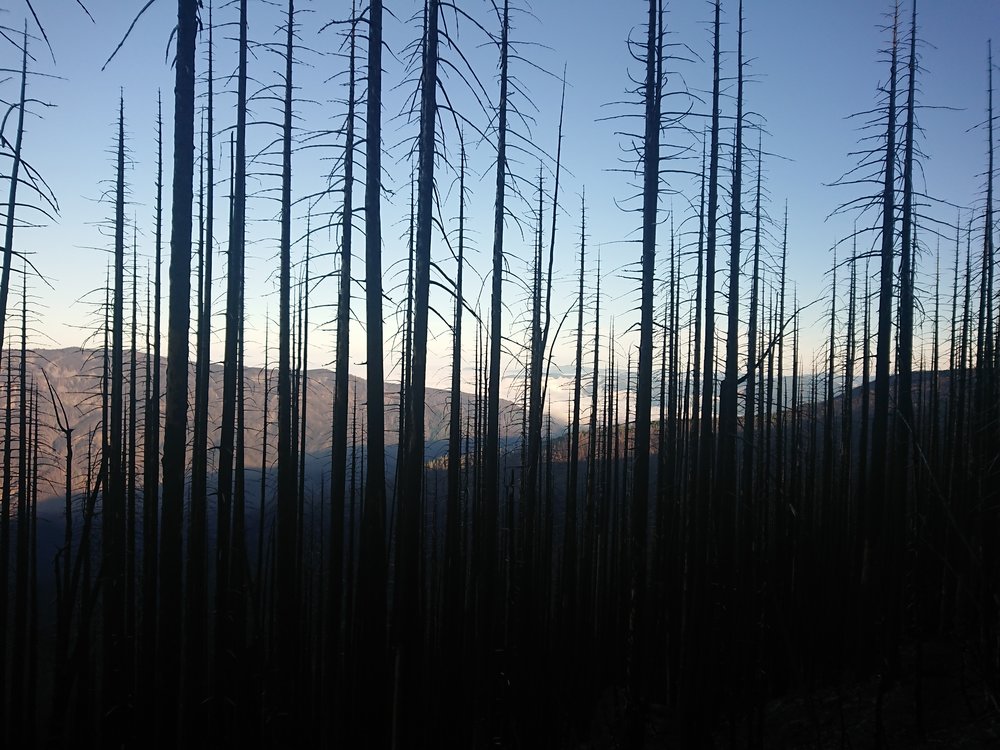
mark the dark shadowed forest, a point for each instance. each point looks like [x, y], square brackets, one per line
[494, 503]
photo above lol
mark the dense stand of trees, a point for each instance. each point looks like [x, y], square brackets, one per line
[713, 530]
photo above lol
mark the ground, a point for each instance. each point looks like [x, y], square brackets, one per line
[957, 712]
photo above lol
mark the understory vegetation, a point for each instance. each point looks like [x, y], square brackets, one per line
[713, 528]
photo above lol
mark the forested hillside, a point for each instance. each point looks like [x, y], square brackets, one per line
[461, 476]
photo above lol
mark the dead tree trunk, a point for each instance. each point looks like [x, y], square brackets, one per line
[176, 407]
[15, 169]
[411, 501]
[491, 470]
[196, 592]
[369, 669]
[227, 431]
[453, 605]
[151, 472]
[904, 355]
[287, 603]
[114, 643]
[652, 95]
[727, 478]
[338, 464]
[882, 507]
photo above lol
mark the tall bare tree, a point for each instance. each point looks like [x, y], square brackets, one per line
[115, 644]
[339, 441]
[372, 563]
[639, 512]
[176, 405]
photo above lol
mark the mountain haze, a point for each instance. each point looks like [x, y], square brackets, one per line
[74, 374]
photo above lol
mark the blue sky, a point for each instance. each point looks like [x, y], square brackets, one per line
[812, 64]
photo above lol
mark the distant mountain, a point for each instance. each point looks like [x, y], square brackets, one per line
[924, 383]
[75, 377]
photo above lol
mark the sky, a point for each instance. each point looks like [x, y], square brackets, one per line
[810, 66]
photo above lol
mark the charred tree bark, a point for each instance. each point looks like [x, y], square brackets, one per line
[151, 471]
[64, 600]
[904, 355]
[19, 729]
[706, 451]
[286, 636]
[411, 501]
[15, 169]
[197, 545]
[570, 561]
[491, 469]
[6, 487]
[639, 512]
[697, 608]
[369, 670]
[749, 445]
[341, 447]
[453, 604]
[224, 631]
[885, 518]
[175, 411]
[114, 642]
[727, 478]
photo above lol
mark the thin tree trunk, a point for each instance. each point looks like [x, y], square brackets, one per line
[15, 169]
[340, 446]
[904, 355]
[570, 542]
[370, 720]
[491, 469]
[727, 485]
[197, 548]
[31, 684]
[411, 502]
[130, 496]
[286, 636]
[453, 605]
[697, 616]
[635, 664]
[151, 471]
[19, 736]
[114, 644]
[7, 487]
[749, 446]
[175, 412]
[884, 517]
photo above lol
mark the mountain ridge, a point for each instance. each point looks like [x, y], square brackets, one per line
[74, 376]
